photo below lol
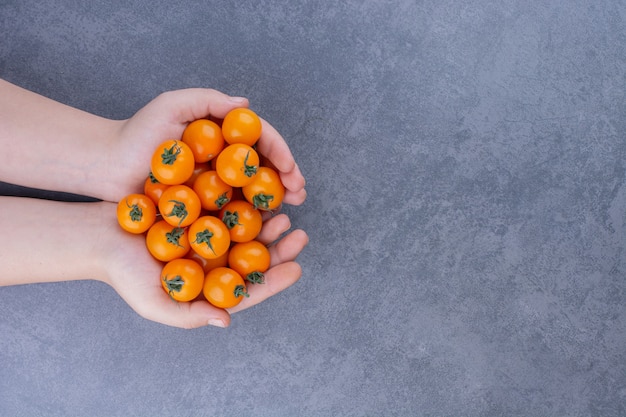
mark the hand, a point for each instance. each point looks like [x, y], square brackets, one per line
[166, 117]
[134, 274]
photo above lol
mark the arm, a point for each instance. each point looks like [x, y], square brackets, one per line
[75, 241]
[49, 145]
[47, 241]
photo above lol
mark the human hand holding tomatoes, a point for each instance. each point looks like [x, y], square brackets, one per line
[189, 171]
[136, 275]
[165, 118]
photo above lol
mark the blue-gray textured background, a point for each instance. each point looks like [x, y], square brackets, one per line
[466, 176]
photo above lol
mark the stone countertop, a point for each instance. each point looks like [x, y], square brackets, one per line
[465, 166]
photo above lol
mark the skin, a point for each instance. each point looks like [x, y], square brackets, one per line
[108, 160]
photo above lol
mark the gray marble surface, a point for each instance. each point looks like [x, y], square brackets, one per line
[467, 204]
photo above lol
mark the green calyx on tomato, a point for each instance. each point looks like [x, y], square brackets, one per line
[230, 219]
[174, 236]
[222, 200]
[249, 170]
[205, 237]
[135, 212]
[175, 284]
[240, 290]
[153, 179]
[168, 157]
[262, 201]
[255, 277]
[179, 210]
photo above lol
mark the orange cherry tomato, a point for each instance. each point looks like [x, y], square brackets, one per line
[243, 221]
[179, 205]
[166, 242]
[265, 191]
[205, 139]
[237, 164]
[209, 237]
[250, 259]
[182, 279]
[241, 125]
[172, 162]
[212, 191]
[208, 264]
[153, 188]
[224, 287]
[136, 213]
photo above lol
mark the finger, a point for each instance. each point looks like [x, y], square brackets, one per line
[272, 145]
[187, 105]
[162, 309]
[273, 228]
[293, 180]
[288, 248]
[277, 279]
[295, 198]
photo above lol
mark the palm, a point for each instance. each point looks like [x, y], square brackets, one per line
[135, 275]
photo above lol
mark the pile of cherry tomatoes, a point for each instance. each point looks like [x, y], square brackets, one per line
[201, 209]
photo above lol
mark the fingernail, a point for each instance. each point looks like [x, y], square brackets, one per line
[238, 100]
[216, 322]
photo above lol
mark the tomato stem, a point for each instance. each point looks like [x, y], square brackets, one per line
[205, 237]
[179, 210]
[135, 212]
[241, 290]
[222, 200]
[174, 285]
[230, 219]
[168, 157]
[262, 201]
[248, 170]
[174, 236]
[256, 277]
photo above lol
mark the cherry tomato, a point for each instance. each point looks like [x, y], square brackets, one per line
[224, 287]
[243, 221]
[265, 191]
[136, 213]
[172, 162]
[182, 279]
[153, 188]
[237, 164]
[241, 125]
[208, 264]
[250, 260]
[204, 138]
[209, 237]
[212, 191]
[179, 205]
[166, 242]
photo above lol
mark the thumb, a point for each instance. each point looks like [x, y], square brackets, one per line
[187, 105]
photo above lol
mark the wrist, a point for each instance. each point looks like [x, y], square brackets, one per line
[68, 241]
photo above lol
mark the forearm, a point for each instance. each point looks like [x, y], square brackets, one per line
[49, 145]
[47, 241]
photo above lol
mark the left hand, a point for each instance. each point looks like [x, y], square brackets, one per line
[166, 117]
